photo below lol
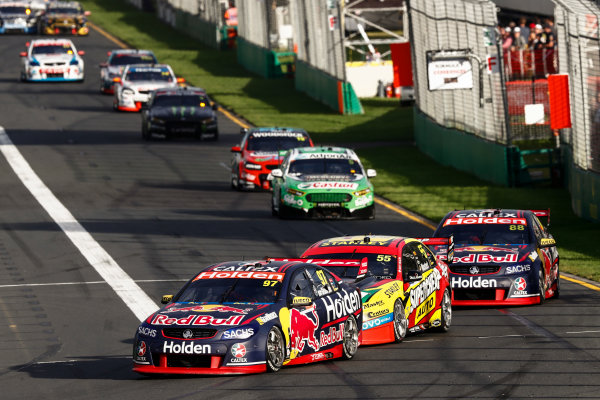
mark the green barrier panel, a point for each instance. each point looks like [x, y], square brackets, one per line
[465, 152]
[253, 57]
[584, 187]
[205, 32]
[325, 88]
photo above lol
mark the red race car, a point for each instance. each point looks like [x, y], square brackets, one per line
[260, 151]
[404, 287]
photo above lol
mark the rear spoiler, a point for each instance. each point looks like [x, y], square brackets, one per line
[441, 241]
[543, 213]
[323, 262]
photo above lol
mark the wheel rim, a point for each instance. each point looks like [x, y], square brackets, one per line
[275, 352]
[350, 336]
[400, 322]
[447, 309]
[541, 284]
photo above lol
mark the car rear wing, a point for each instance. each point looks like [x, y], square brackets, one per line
[362, 264]
[543, 213]
[441, 241]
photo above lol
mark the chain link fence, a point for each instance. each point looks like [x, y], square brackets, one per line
[579, 46]
[451, 42]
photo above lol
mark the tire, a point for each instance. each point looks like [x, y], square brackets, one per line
[541, 285]
[400, 321]
[557, 291]
[446, 308]
[350, 340]
[145, 134]
[284, 212]
[371, 214]
[274, 349]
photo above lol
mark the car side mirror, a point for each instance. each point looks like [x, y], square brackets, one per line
[166, 299]
[87, 13]
[301, 301]
[371, 173]
[413, 276]
[81, 52]
[243, 131]
[547, 242]
[277, 173]
[215, 106]
[23, 54]
[236, 149]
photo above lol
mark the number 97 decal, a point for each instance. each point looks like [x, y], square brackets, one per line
[269, 283]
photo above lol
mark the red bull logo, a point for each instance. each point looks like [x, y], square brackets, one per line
[192, 319]
[486, 258]
[208, 308]
[303, 329]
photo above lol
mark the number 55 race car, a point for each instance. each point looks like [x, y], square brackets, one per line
[404, 287]
[241, 317]
[502, 257]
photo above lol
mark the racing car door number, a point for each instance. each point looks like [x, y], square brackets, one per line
[384, 257]
[269, 283]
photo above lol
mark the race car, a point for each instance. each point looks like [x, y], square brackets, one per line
[116, 62]
[248, 317]
[260, 151]
[132, 89]
[180, 111]
[52, 60]
[64, 17]
[404, 287]
[17, 17]
[322, 182]
[502, 257]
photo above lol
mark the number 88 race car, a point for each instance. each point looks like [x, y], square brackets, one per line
[240, 317]
[502, 257]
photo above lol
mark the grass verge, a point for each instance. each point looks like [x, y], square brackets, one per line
[406, 176]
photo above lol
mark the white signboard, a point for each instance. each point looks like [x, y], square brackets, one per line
[450, 74]
[534, 114]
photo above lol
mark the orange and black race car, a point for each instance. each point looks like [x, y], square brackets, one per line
[64, 17]
[404, 287]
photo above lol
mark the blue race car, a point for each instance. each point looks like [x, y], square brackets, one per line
[250, 317]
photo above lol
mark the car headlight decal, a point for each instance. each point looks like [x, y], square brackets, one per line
[250, 165]
[295, 192]
[362, 192]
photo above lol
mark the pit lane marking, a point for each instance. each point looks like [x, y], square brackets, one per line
[107, 35]
[582, 283]
[132, 295]
[404, 213]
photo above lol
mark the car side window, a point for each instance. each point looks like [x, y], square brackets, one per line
[300, 286]
[332, 283]
[430, 257]
[321, 285]
[538, 228]
[409, 259]
[422, 260]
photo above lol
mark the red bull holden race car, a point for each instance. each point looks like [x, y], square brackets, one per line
[251, 317]
[501, 257]
[404, 287]
[261, 151]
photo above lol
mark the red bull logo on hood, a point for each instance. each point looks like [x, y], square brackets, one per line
[208, 308]
[485, 258]
[195, 319]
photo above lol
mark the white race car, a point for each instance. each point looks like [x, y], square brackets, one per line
[18, 17]
[51, 60]
[116, 63]
[132, 89]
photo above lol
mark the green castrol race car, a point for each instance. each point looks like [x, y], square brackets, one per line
[322, 182]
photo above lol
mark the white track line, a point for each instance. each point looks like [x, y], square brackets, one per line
[87, 283]
[134, 297]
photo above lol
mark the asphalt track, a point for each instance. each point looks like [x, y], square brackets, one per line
[161, 210]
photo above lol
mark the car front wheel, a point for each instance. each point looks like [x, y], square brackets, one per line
[350, 340]
[275, 351]
[400, 321]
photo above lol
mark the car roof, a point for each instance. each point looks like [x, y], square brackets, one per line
[300, 153]
[62, 4]
[267, 266]
[180, 91]
[346, 244]
[161, 67]
[276, 131]
[489, 212]
[131, 51]
[14, 4]
[49, 42]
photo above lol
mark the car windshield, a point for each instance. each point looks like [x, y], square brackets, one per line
[149, 75]
[52, 49]
[231, 290]
[125, 59]
[325, 166]
[178, 101]
[380, 266]
[13, 10]
[486, 234]
[64, 10]
[276, 143]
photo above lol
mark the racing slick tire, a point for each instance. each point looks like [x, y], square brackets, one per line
[371, 213]
[557, 291]
[350, 340]
[275, 350]
[400, 322]
[541, 285]
[146, 135]
[284, 212]
[446, 308]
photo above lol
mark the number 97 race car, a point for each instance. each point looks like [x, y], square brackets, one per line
[250, 317]
[501, 257]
